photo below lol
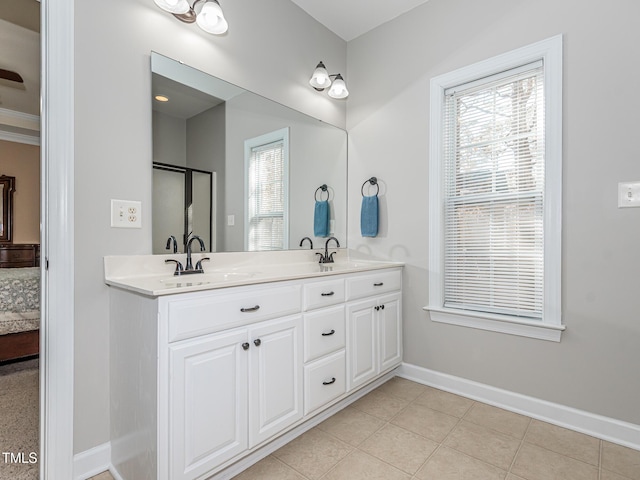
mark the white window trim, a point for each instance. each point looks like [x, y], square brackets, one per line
[275, 136]
[550, 52]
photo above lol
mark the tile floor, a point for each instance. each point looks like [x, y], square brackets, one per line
[404, 430]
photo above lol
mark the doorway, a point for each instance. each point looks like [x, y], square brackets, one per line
[20, 239]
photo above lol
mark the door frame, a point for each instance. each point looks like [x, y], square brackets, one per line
[57, 239]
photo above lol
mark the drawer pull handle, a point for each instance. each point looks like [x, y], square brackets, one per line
[245, 346]
[252, 309]
[378, 284]
[327, 294]
[257, 342]
[329, 334]
[333, 380]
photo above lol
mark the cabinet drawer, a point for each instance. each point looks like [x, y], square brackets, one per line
[324, 332]
[205, 313]
[323, 294]
[381, 281]
[324, 380]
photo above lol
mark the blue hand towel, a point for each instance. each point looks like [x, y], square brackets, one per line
[369, 216]
[321, 219]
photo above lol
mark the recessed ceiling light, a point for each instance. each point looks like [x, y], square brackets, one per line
[161, 98]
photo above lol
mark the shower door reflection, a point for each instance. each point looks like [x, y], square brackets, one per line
[182, 206]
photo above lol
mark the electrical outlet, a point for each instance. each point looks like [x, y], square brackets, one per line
[126, 214]
[629, 194]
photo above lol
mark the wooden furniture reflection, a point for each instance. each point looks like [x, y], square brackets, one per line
[19, 255]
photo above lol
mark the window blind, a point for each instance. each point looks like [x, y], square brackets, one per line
[266, 197]
[494, 194]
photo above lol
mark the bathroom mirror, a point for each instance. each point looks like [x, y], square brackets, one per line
[239, 170]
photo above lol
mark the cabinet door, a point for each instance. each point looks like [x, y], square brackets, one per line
[362, 354]
[275, 378]
[208, 403]
[390, 327]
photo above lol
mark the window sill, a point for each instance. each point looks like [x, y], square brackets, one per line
[496, 323]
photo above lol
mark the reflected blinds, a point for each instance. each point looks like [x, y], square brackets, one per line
[494, 194]
[266, 197]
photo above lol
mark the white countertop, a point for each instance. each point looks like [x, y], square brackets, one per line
[150, 275]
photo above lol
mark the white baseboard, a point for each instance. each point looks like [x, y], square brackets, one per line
[92, 462]
[605, 428]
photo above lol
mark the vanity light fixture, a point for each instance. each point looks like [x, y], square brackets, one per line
[321, 79]
[207, 14]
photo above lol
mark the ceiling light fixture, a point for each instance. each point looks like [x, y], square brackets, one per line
[321, 79]
[207, 14]
[161, 98]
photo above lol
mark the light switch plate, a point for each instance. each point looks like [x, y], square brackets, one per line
[628, 194]
[126, 214]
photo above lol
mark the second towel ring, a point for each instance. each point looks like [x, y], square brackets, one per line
[324, 188]
[372, 181]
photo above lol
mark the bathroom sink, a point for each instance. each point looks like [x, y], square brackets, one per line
[197, 279]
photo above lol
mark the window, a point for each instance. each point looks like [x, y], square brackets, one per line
[266, 206]
[495, 193]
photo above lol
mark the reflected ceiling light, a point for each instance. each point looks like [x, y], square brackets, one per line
[321, 79]
[207, 14]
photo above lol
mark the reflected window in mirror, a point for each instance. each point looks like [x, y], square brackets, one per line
[267, 174]
[7, 187]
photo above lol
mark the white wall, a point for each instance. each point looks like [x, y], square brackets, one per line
[594, 368]
[113, 41]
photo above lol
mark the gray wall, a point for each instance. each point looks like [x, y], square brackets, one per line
[595, 367]
[113, 41]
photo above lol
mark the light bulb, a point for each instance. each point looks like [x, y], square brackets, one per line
[320, 78]
[211, 19]
[174, 6]
[338, 88]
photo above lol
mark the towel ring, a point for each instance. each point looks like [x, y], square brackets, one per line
[372, 181]
[324, 188]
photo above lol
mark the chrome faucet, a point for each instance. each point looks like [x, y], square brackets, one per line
[310, 242]
[188, 268]
[328, 258]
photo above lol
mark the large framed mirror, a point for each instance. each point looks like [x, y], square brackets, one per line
[265, 163]
[7, 187]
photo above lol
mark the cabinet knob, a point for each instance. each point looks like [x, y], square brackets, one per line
[333, 380]
[245, 346]
[328, 334]
[377, 307]
[251, 309]
[257, 342]
[381, 307]
[327, 294]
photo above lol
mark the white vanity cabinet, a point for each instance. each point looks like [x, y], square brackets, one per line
[202, 379]
[374, 325]
[231, 390]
